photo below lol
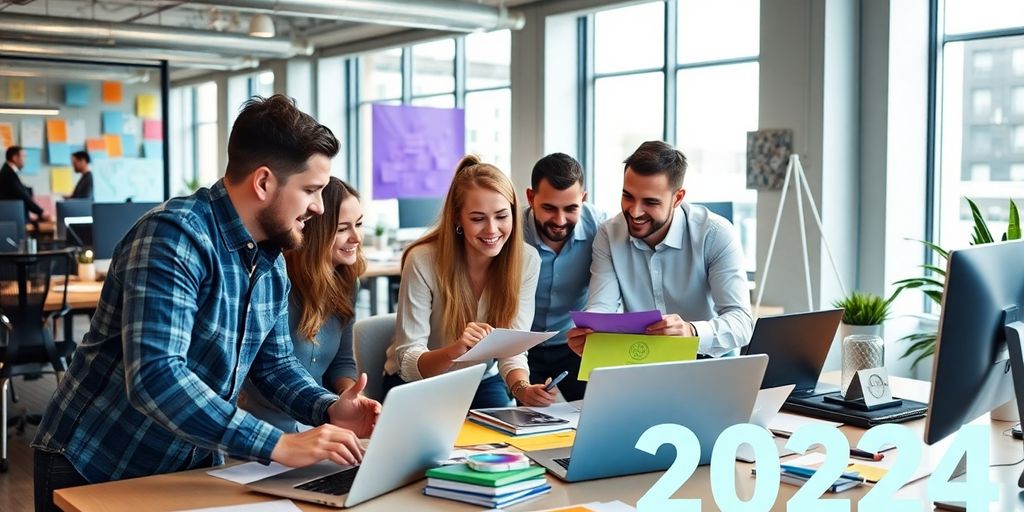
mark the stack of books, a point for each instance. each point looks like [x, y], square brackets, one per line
[518, 421]
[460, 483]
[797, 475]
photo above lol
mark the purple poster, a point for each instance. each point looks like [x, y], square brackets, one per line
[415, 150]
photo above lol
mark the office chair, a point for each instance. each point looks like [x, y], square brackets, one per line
[371, 337]
[27, 346]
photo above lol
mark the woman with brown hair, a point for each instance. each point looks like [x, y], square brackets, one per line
[469, 274]
[324, 274]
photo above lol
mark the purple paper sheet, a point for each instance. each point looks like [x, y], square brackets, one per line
[415, 150]
[621, 323]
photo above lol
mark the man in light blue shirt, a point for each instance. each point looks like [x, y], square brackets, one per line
[671, 256]
[561, 226]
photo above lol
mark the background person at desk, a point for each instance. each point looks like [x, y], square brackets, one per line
[196, 299]
[671, 256]
[80, 162]
[469, 273]
[323, 274]
[11, 186]
[561, 225]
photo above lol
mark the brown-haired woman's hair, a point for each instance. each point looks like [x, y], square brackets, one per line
[321, 288]
[504, 277]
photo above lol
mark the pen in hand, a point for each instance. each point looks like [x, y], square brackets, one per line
[553, 382]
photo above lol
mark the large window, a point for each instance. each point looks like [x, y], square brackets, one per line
[693, 82]
[981, 108]
[194, 138]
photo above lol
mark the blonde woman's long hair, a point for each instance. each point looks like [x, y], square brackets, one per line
[504, 276]
[321, 288]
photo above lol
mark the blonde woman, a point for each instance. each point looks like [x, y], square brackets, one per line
[468, 275]
[323, 274]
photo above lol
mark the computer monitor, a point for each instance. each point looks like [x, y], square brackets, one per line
[721, 208]
[71, 208]
[111, 221]
[13, 211]
[978, 357]
[79, 231]
[420, 212]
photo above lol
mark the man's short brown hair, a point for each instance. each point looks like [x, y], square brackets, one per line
[658, 157]
[275, 133]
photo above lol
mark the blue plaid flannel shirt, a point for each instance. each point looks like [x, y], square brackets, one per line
[153, 386]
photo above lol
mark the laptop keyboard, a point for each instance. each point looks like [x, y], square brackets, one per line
[563, 462]
[335, 484]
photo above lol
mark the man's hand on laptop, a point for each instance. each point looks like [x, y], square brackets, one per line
[577, 338]
[671, 325]
[327, 441]
[355, 412]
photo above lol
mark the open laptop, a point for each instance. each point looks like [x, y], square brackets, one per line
[624, 401]
[415, 432]
[797, 345]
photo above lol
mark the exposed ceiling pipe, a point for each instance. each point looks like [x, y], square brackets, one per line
[130, 34]
[431, 14]
[134, 55]
[30, 71]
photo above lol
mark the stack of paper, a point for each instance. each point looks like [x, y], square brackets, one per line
[500, 489]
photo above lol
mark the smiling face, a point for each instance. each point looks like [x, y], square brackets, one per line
[556, 212]
[294, 202]
[486, 220]
[648, 203]
[349, 235]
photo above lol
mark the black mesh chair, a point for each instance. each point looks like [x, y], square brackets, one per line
[27, 346]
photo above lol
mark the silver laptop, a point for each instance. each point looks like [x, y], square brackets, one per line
[415, 432]
[624, 401]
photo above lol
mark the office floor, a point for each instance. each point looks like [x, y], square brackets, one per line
[16, 484]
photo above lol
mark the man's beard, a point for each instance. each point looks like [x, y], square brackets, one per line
[279, 234]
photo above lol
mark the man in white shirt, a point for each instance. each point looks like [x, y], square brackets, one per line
[671, 256]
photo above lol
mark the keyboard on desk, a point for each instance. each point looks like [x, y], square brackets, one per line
[562, 462]
[335, 484]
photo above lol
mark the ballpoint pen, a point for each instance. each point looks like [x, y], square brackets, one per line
[809, 472]
[861, 454]
[556, 380]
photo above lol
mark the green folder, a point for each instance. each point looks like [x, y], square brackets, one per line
[462, 473]
[607, 349]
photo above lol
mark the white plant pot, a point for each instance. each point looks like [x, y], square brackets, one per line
[1007, 412]
[381, 242]
[86, 271]
[846, 329]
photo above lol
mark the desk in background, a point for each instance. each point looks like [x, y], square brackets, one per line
[391, 272]
[196, 489]
[83, 297]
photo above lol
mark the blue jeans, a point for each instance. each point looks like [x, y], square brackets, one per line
[52, 471]
[491, 393]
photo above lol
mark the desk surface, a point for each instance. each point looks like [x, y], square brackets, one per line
[383, 268]
[81, 294]
[196, 489]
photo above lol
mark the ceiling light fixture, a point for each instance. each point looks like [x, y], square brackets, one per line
[261, 25]
[29, 110]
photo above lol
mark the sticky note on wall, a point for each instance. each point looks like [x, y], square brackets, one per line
[153, 129]
[112, 92]
[146, 106]
[56, 130]
[76, 95]
[6, 135]
[113, 145]
[62, 180]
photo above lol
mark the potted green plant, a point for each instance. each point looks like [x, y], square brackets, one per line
[864, 313]
[932, 284]
[380, 233]
[86, 266]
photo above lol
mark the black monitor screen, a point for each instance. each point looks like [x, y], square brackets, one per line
[111, 221]
[71, 208]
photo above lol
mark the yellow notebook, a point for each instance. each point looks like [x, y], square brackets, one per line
[605, 349]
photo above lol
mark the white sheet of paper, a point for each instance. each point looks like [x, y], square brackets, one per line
[768, 403]
[789, 423]
[504, 343]
[563, 410]
[248, 472]
[266, 506]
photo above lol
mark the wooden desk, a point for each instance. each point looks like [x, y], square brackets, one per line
[83, 297]
[196, 489]
[45, 228]
[391, 270]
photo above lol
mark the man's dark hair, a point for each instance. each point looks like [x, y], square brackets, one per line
[273, 132]
[11, 153]
[559, 169]
[657, 157]
[82, 155]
